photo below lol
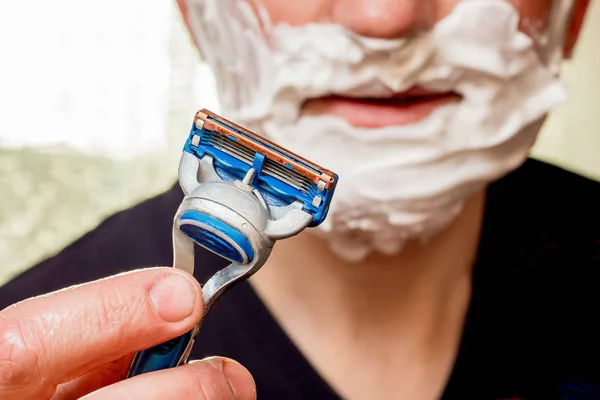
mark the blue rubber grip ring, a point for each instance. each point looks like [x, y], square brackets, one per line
[216, 236]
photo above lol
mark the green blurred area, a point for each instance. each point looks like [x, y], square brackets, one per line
[50, 199]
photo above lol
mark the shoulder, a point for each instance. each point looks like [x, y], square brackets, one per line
[544, 204]
[133, 238]
[537, 188]
[538, 272]
[543, 222]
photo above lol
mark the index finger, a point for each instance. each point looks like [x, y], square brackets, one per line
[48, 340]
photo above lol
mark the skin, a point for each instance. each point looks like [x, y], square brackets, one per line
[79, 342]
[394, 321]
[382, 18]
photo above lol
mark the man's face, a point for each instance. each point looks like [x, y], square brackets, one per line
[386, 19]
[382, 18]
[416, 104]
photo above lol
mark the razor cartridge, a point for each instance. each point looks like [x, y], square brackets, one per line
[281, 176]
[242, 194]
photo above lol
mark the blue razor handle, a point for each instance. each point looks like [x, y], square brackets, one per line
[163, 356]
[242, 194]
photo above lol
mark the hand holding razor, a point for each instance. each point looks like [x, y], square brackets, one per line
[242, 194]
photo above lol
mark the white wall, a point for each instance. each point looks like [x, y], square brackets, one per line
[571, 138]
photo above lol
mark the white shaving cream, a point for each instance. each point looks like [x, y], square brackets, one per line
[398, 182]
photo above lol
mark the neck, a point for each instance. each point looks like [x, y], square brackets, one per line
[386, 317]
[302, 274]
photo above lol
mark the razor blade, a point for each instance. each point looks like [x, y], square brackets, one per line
[242, 194]
[281, 176]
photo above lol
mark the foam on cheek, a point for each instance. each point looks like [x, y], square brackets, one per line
[396, 182]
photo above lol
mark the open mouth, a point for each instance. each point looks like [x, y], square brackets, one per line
[409, 107]
[409, 98]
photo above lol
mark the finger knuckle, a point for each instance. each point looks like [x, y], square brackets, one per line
[113, 313]
[18, 351]
[208, 382]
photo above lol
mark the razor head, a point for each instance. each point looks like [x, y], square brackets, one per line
[281, 176]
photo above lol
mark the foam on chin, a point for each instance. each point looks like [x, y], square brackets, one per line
[399, 182]
[393, 190]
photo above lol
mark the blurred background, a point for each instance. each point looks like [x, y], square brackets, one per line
[97, 98]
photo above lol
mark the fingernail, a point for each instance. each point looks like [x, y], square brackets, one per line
[173, 297]
[241, 381]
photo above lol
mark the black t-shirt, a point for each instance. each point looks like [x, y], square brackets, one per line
[532, 330]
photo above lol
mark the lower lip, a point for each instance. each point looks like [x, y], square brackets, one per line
[368, 114]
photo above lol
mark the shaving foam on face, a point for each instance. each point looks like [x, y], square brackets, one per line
[398, 182]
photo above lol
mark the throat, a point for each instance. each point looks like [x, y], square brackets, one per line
[301, 273]
[368, 300]
[403, 313]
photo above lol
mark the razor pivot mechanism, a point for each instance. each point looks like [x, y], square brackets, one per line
[242, 194]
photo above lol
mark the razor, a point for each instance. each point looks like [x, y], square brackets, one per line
[242, 194]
